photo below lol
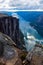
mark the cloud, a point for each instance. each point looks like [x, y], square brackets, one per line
[21, 4]
[15, 15]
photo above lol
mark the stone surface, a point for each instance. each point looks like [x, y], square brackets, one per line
[10, 26]
[10, 54]
[35, 57]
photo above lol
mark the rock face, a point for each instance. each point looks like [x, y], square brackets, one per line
[35, 57]
[10, 26]
[38, 25]
[9, 54]
[1, 49]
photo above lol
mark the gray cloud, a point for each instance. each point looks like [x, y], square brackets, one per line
[21, 4]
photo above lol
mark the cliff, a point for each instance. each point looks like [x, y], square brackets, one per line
[10, 26]
[38, 24]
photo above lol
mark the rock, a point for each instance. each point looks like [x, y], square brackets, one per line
[10, 53]
[38, 25]
[35, 57]
[1, 49]
[10, 26]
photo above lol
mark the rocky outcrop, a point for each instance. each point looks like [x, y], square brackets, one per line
[35, 57]
[10, 26]
[9, 54]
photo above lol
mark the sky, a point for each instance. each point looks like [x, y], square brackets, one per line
[21, 4]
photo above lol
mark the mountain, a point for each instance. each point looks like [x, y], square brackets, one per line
[38, 25]
[26, 31]
[35, 19]
[29, 31]
[9, 25]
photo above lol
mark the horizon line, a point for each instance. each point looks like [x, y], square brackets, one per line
[20, 10]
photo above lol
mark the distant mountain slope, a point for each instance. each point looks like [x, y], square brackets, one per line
[29, 32]
[38, 25]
